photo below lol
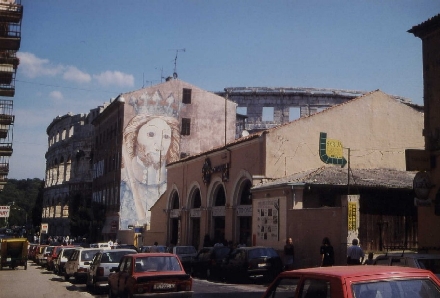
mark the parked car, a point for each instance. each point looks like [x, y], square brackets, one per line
[254, 262]
[31, 251]
[153, 248]
[63, 257]
[52, 256]
[102, 262]
[100, 245]
[124, 246]
[149, 274]
[415, 260]
[79, 263]
[207, 263]
[355, 281]
[39, 253]
[185, 254]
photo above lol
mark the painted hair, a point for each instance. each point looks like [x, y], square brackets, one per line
[135, 124]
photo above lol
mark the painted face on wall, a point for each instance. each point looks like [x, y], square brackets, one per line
[153, 141]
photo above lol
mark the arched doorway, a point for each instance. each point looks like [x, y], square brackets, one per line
[244, 214]
[195, 218]
[174, 219]
[218, 214]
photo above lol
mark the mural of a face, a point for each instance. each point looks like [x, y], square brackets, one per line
[153, 141]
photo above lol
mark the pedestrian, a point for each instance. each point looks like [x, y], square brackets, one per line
[327, 253]
[369, 260]
[355, 254]
[289, 254]
[154, 248]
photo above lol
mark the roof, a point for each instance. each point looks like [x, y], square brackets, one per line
[332, 175]
[426, 27]
[350, 271]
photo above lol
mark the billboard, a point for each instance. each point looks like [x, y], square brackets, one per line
[4, 211]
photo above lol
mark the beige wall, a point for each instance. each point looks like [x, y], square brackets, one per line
[375, 127]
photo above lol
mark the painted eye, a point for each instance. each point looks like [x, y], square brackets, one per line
[166, 137]
[151, 134]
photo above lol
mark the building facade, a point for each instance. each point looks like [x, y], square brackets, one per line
[142, 131]
[429, 207]
[68, 178]
[11, 15]
[234, 193]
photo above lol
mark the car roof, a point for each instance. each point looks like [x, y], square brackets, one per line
[410, 255]
[353, 271]
[117, 249]
[152, 254]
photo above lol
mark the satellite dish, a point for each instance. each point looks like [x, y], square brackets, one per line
[244, 133]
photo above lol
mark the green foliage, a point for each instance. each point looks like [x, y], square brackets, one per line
[22, 196]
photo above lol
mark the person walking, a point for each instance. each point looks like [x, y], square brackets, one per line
[327, 253]
[289, 254]
[355, 254]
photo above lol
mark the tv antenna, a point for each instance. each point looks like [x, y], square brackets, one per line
[175, 62]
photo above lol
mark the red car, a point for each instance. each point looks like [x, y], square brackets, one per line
[148, 275]
[355, 282]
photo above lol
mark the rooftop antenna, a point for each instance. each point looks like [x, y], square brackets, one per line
[175, 62]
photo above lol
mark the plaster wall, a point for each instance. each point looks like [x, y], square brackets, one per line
[375, 127]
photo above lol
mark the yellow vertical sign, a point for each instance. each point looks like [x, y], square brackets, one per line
[352, 212]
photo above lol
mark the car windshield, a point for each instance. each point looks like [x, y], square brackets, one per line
[430, 264]
[68, 252]
[398, 288]
[186, 250]
[113, 256]
[165, 263]
[88, 255]
[262, 252]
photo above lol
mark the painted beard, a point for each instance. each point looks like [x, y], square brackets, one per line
[149, 159]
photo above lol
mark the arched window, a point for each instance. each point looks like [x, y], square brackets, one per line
[245, 197]
[220, 197]
[175, 201]
[197, 200]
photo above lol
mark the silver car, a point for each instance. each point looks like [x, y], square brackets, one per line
[102, 262]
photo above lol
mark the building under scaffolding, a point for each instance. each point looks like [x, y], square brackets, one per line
[11, 14]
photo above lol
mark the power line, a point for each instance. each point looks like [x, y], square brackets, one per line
[66, 87]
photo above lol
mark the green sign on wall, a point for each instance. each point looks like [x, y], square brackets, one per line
[330, 151]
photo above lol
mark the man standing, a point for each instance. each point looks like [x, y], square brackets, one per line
[355, 254]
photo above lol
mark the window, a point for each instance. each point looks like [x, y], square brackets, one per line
[294, 113]
[267, 114]
[242, 110]
[186, 96]
[285, 288]
[186, 127]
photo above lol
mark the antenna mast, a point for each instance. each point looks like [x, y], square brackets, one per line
[175, 62]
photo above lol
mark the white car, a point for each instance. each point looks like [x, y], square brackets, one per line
[103, 261]
[79, 263]
[103, 245]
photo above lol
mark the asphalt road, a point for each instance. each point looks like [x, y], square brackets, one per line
[40, 283]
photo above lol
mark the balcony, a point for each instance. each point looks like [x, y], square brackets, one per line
[11, 12]
[5, 149]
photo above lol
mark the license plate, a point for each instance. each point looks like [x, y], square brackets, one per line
[8, 259]
[163, 286]
[262, 265]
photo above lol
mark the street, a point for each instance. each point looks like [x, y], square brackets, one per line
[37, 282]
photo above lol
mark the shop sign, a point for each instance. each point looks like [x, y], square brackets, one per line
[174, 213]
[44, 228]
[195, 212]
[422, 185]
[352, 216]
[4, 211]
[244, 210]
[218, 211]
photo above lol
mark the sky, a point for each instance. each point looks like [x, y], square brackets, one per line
[76, 55]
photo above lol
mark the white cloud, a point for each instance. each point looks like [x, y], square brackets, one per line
[74, 74]
[32, 66]
[56, 95]
[114, 78]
